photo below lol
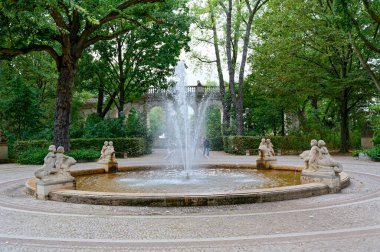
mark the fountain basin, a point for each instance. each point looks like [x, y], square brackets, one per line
[176, 199]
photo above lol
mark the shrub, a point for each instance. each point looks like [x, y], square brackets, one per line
[216, 143]
[22, 146]
[239, 144]
[132, 146]
[287, 144]
[96, 127]
[82, 154]
[33, 156]
[374, 153]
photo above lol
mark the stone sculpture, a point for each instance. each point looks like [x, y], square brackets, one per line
[266, 149]
[266, 155]
[320, 167]
[270, 148]
[56, 164]
[326, 160]
[103, 151]
[263, 149]
[107, 159]
[319, 159]
[55, 173]
[63, 162]
[108, 151]
[49, 164]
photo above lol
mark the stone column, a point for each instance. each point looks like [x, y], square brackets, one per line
[3, 147]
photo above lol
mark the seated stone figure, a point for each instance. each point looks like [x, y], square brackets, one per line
[49, 164]
[110, 152]
[313, 156]
[319, 159]
[326, 160]
[270, 148]
[263, 149]
[107, 152]
[103, 151]
[63, 162]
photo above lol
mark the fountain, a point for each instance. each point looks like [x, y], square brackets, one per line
[183, 137]
[182, 178]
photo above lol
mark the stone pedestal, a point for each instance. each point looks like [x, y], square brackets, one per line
[265, 163]
[3, 151]
[328, 178]
[47, 185]
[109, 166]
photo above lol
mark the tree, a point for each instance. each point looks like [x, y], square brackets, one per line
[361, 20]
[139, 59]
[65, 29]
[309, 53]
[237, 18]
[20, 111]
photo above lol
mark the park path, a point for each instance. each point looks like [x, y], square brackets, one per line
[347, 221]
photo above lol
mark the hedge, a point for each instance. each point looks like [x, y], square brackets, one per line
[132, 146]
[36, 155]
[238, 145]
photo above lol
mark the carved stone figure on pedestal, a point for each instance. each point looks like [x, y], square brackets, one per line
[326, 160]
[63, 162]
[103, 151]
[263, 149]
[270, 148]
[49, 164]
[107, 159]
[321, 167]
[55, 173]
[266, 154]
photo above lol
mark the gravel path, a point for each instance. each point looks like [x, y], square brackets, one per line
[347, 221]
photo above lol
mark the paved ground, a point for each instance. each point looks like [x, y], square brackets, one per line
[347, 221]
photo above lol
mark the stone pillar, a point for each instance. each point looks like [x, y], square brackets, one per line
[3, 147]
[3, 151]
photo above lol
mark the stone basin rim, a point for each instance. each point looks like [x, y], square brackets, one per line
[189, 199]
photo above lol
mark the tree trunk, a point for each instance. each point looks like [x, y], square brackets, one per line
[66, 69]
[99, 108]
[121, 77]
[222, 90]
[344, 131]
[282, 122]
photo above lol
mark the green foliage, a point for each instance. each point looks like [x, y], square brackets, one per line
[132, 146]
[373, 153]
[214, 128]
[33, 156]
[292, 144]
[22, 146]
[97, 127]
[156, 122]
[239, 144]
[19, 111]
[83, 154]
[135, 126]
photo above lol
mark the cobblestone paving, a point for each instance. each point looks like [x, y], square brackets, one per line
[347, 221]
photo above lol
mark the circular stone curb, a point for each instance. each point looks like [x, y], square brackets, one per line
[184, 199]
